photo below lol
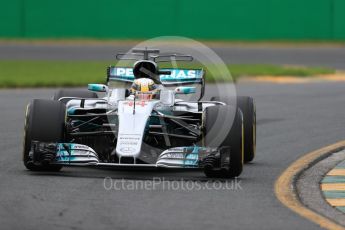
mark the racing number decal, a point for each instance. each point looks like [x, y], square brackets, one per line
[143, 103]
[140, 103]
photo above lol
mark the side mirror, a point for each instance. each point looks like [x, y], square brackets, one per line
[185, 90]
[97, 87]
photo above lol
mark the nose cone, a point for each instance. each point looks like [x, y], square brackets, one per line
[132, 124]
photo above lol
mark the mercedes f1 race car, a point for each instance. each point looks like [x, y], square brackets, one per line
[141, 122]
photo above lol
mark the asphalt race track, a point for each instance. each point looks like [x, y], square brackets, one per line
[292, 120]
[313, 55]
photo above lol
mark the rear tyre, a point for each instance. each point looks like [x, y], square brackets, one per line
[73, 93]
[218, 119]
[247, 106]
[45, 122]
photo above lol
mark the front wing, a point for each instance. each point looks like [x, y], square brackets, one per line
[70, 154]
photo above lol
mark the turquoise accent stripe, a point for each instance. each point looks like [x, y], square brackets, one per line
[333, 179]
[192, 158]
[334, 194]
[186, 90]
[71, 111]
[341, 208]
[96, 87]
[62, 155]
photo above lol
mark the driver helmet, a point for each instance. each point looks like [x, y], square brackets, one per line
[144, 89]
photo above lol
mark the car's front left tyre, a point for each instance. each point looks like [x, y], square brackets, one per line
[44, 122]
[248, 108]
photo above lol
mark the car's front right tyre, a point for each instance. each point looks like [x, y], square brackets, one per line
[44, 122]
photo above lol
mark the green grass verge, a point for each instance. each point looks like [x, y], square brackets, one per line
[78, 73]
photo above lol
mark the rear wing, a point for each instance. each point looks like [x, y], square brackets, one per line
[177, 76]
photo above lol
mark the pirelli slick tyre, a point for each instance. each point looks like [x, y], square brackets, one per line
[247, 106]
[73, 93]
[224, 130]
[44, 122]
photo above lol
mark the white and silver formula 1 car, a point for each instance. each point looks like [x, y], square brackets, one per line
[144, 125]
